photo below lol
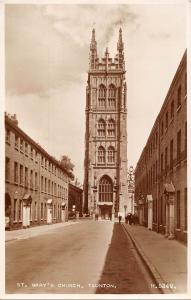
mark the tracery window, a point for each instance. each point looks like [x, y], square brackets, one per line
[111, 155]
[101, 128]
[101, 155]
[111, 96]
[105, 189]
[111, 128]
[102, 95]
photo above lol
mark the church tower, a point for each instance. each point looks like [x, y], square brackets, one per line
[105, 164]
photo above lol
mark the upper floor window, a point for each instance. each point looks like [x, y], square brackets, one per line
[102, 95]
[42, 161]
[172, 110]
[7, 138]
[45, 163]
[101, 155]
[156, 139]
[179, 97]
[26, 176]
[101, 128]
[26, 148]
[31, 179]
[36, 156]
[111, 128]
[21, 174]
[42, 183]
[31, 152]
[166, 159]
[161, 163]
[21, 145]
[178, 145]
[45, 184]
[7, 169]
[166, 120]
[111, 96]
[171, 154]
[15, 172]
[16, 141]
[111, 155]
[162, 128]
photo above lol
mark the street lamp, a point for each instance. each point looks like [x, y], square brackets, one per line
[125, 207]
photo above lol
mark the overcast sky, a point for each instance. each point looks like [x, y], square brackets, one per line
[47, 51]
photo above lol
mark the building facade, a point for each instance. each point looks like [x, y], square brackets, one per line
[36, 184]
[161, 172]
[105, 183]
[75, 199]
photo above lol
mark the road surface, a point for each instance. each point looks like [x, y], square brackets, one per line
[87, 258]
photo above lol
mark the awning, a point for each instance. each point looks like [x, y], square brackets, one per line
[149, 198]
[49, 201]
[27, 196]
[169, 188]
[105, 203]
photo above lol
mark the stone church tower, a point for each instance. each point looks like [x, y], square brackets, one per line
[105, 180]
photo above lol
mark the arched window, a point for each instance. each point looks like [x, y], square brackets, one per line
[101, 128]
[111, 96]
[101, 155]
[105, 189]
[111, 154]
[102, 95]
[111, 128]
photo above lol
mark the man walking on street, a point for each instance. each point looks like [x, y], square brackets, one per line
[119, 219]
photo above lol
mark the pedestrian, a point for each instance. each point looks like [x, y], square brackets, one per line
[135, 219]
[119, 219]
[130, 219]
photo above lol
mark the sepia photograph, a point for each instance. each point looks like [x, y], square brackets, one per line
[94, 147]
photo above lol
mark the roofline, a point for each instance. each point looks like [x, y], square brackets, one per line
[181, 64]
[75, 187]
[11, 123]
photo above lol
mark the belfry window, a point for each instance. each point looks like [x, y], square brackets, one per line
[105, 189]
[111, 96]
[111, 128]
[101, 155]
[111, 155]
[102, 96]
[101, 128]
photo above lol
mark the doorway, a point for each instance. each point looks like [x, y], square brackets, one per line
[106, 212]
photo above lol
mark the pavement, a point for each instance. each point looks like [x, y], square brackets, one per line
[165, 259]
[21, 234]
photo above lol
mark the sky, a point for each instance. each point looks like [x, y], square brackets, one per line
[46, 65]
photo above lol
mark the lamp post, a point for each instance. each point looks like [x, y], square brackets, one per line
[125, 208]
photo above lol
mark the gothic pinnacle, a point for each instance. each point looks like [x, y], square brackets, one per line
[93, 44]
[120, 41]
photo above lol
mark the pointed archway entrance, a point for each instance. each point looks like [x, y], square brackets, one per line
[105, 201]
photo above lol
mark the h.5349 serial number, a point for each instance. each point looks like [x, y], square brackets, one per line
[165, 285]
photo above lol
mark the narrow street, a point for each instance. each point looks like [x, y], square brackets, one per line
[88, 257]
